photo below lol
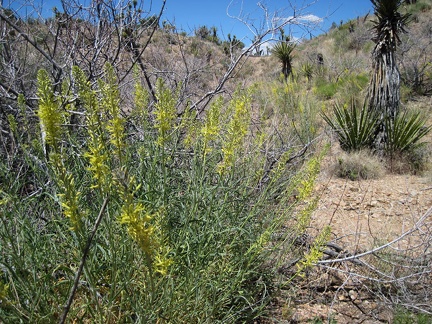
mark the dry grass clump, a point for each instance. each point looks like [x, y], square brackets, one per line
[359, 165]
[416, 161]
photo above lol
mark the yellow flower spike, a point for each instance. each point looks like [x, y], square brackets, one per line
[51, 118]
[211, 127]
[12, 123]
[4, 291]
[110, 102]
[143, 228]
[96, 154]
[161, 264]
[237, 129]
[316, 251]
[305, 215]
[49, 111]
[141, 97]
[281, 164]
[190, 125]
[165, 112]
[5, 199]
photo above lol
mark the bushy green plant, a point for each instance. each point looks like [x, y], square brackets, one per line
[405, 316]
[141, 218]
[419, 6]
[325, 89]
[347, 86]
[351, 85]
[341, 37]
[296, 109]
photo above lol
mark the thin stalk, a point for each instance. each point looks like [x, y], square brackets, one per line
[83, 260]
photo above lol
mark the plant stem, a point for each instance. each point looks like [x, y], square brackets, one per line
[83, 259]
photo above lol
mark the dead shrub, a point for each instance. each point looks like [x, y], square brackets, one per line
[359, 165]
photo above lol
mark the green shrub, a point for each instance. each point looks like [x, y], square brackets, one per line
[405, 316]
[341, 38]
[325, 89]
[179, 209]
[419, 6]
[347, 86]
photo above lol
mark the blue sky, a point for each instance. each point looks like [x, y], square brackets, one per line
[190, 14]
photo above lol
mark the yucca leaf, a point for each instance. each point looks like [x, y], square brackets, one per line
[405, 132]
[354, 127]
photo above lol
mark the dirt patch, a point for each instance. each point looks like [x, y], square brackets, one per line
[365, 213]
[362, 214]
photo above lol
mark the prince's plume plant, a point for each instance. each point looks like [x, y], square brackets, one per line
[236, 131]
[97, 153]
[165, 112]
[51, 117]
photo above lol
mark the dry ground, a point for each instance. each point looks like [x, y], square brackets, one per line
[368, 212]
[362, 214]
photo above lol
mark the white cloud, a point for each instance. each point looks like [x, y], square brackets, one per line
[303, 19]
[311, 18]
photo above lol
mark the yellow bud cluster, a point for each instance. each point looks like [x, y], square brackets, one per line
[4, 291]
[304, 215]
[238, 127]
[165, 112]
[49, 111]
[211, 127]
[110, 102]
[4, 198]
[50, 116]
[190, 125]
[161, 262]
[140, 112]
[69, 195]
[142, 228]
[307, 183]
[316, 251]
[97, 153]
[98, 166]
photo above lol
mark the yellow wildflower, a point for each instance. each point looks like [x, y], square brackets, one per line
[49, 111]
[211, 127]
[316, 251]
[237, 130]
[165, 112]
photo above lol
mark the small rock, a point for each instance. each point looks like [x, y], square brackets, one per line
[353, 294]
[342, 298]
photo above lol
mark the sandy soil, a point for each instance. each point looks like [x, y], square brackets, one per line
[362, 214]
[368, 212]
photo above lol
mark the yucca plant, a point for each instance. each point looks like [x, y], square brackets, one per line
[354, 127]
[307, 70]
[283, 52]
[384, 89]
[405, 132]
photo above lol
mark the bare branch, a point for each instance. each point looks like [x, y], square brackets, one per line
[415, 228]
